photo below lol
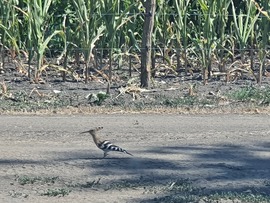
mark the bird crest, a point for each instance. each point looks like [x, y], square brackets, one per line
[93, 130]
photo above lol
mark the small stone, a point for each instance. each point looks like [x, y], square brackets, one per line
[24, 195]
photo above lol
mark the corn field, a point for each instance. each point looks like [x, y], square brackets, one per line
[80, 38]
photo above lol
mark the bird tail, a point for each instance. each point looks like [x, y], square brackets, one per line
[116, 148]
[125, 151]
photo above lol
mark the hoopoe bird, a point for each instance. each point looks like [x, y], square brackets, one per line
[105, 145]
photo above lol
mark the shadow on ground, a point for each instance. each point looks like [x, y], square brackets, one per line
[199, 170]
[175, 171]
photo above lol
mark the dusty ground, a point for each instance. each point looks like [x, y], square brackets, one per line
[189, 156]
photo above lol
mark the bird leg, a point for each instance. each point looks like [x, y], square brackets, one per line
[105, 154]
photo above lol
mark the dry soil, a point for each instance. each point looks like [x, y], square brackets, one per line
[216, 153]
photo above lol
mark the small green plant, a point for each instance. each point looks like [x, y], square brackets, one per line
[56, 192]
[185, 101]
[181, 185]
[177, 198]
[241, 197]
[23, 180]
[174, 102]
[92, 183]
[123, 185]
[88, 184]
[98, 98]
[180, 190]
[252, 94]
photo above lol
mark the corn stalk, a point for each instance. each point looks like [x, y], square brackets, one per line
[115, 17]
[132, 35]
[37, 16]
[265, 25]
[244, 25]
[205, 42]
[181, 30]
[9, 34]
[221, 22]
[89, 29]
[162, 33]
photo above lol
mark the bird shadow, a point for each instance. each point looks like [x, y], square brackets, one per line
[93, 158]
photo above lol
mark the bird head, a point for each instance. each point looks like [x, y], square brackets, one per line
[93, 130]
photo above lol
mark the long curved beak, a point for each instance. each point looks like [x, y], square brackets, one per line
[84, 132]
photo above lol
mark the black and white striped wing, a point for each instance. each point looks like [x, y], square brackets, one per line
[107, 146]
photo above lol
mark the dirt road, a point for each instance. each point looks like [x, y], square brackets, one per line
[43, 156]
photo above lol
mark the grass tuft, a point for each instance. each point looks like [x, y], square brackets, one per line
[88, 184]
[185, 101]
[56, 192]
[23, 180]
[240, 197]
[261, 96]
